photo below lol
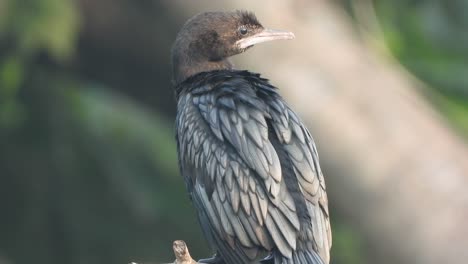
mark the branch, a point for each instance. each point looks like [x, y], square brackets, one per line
[181, 253]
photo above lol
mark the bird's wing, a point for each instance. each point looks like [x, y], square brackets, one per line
[234, 170]
[297, 142]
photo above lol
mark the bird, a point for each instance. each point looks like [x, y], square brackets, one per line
[250, 165]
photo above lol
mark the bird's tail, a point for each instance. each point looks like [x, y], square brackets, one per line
[299, 257]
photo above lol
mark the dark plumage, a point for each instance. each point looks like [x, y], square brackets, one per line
[250, 165]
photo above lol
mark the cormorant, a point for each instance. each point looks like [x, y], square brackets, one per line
[250, 165]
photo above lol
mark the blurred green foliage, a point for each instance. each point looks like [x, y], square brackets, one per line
[88, 170]
[348, 245]
[90, 177]
[430, 38]
[26, 28]
[51, 25]
[87, 174]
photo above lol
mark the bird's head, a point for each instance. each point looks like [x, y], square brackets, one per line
[207, 40]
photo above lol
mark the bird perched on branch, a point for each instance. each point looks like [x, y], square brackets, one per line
[250, 165]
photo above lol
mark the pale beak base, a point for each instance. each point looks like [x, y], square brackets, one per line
[264, 36]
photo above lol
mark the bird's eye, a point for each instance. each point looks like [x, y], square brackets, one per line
[243, 30]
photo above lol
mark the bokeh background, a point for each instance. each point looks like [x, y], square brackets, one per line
[88, 169]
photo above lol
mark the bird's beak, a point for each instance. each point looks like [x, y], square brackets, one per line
[263, 36]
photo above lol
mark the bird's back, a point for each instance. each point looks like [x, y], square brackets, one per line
[252, 170]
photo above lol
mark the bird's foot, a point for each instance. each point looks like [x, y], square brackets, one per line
[268, 259]
[216, 259]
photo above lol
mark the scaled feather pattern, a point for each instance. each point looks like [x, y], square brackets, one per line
[251, 168]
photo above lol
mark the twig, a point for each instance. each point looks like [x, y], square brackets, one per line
[181, 253]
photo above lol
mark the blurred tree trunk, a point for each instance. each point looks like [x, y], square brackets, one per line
[392, 164]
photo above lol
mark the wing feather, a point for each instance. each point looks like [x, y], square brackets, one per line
[235, 173]
[300, 147]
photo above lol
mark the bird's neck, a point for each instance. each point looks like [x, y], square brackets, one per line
[189, 66]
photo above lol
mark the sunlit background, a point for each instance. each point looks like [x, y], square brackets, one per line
[88, 169]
